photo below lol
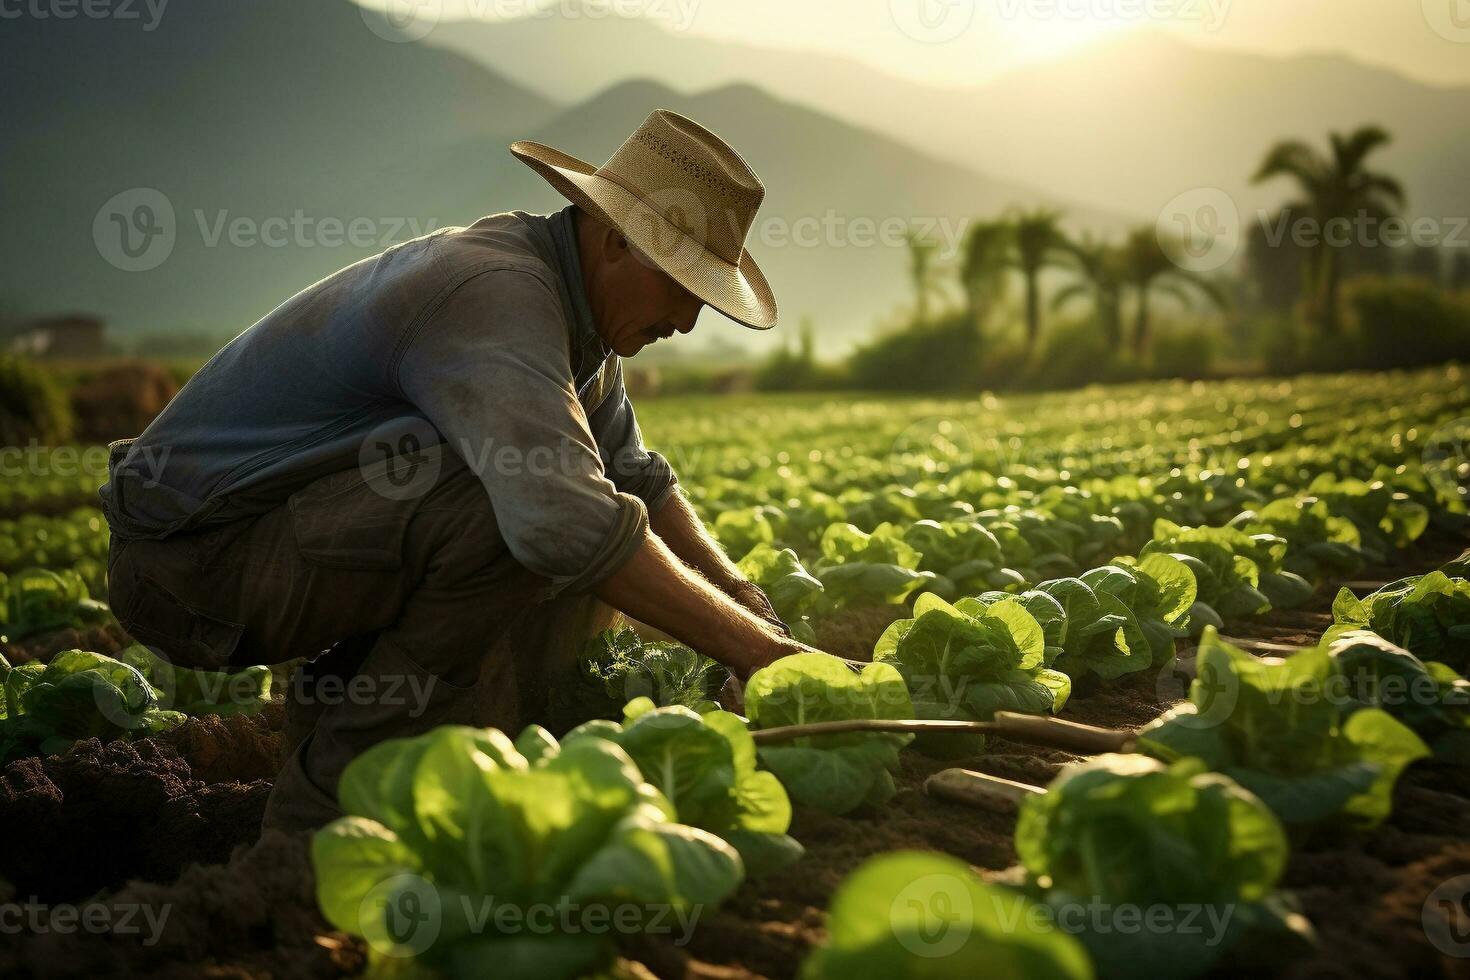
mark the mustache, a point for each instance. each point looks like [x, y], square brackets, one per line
[660, 331]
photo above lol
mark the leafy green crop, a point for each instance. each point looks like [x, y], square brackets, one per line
[1430, 697]
[1098, 633]
[1159, 589]
[81, 694]
[793, 590]
[467, 853]
[1228, 577]
[1428, 615]
[1284, 731]
[617, 665]
[968, 661]
[836, 773]
[917, 914]
[857, 568]
[201, 692]
[1176, 842]
[964, 554]
[1320, 544]
[706, 766]
[78, 695]
[36, 600]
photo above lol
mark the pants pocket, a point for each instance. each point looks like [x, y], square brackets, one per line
[354, 519]
[184, 636]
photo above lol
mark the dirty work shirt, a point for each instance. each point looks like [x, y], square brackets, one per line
[478, 337]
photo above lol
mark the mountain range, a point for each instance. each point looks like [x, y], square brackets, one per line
[1127, 123]
[268, 127]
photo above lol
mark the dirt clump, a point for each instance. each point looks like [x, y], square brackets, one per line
[103, 813]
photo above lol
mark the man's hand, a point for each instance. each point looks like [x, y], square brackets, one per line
[656, 588]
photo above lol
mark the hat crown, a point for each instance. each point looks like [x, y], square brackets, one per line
[694, 179]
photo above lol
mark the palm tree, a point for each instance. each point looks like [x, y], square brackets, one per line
[983, 270]
[1100, 279]
[1334, 189]
[1148, 269]
[1037, 240]
[923, 273]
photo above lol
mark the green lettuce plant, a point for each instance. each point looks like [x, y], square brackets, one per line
[1286, 731]
[705, 765]
[1428, 615]
[38, 600]
[920, 914]
[78, 695]
[468, 854]
[1087, 631]
[965, 662]
[870, 569]
[964, 554]
[201, 692]
[1430, 698]
[793, 590]
[1125, 834]
[1158, 589]
[617, 666]
[1228, 579]
[837, 773]
[1320, 544]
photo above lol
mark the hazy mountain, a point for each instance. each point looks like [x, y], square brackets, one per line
[269, 128]
[1128, 123]
[233, 110]
[1140, 119]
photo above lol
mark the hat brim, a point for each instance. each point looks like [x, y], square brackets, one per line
[737, 290]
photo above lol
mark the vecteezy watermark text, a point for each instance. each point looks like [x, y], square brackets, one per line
[95, 918]
[147, 13]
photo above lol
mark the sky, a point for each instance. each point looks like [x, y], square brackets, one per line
[965, 42]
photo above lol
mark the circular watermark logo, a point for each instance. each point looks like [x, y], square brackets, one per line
[400, 459]
[937, 915]
[401, 916]
[932, 21]
[1199, 230]
[1445, 457]
[1446, 917]
[1450, 19]
[402, 21]
[135, 230]
[669, 227]
[1214, 693]
[935, 445]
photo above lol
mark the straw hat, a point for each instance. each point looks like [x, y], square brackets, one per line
[684, 198]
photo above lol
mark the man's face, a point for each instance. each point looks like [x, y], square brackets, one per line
[634, 303]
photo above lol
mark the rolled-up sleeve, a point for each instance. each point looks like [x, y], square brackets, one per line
[489, 368]
[631, 467]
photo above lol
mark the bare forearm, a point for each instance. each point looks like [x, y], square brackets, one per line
[679, 527]
[656, 588]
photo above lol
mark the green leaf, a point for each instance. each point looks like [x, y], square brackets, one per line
[919, 914]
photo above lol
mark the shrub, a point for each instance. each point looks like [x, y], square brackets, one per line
[1184, 352]
[944, 355]
[32, 405]
[1402, 323]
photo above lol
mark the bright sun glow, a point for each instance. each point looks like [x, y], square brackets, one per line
[1029, 39]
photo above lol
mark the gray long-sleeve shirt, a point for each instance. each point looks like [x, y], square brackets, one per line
[480, 337]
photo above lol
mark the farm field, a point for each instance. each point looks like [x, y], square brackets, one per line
[1082, 555]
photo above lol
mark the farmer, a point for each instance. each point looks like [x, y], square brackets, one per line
[427, 466]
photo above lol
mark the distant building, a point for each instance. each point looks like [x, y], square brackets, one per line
[72, 337]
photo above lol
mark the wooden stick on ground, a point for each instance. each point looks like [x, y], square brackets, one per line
[978, 790]
[1264, 646]
[1034, 729]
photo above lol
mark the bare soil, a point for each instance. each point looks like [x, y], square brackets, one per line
[173, 822]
